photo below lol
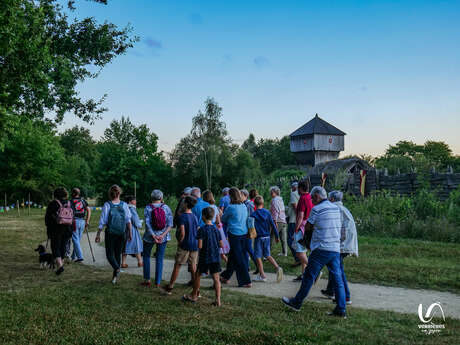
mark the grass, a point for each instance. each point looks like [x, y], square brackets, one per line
[82, 307]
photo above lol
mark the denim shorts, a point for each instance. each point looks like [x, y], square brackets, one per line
[262, 247]
[297, 246]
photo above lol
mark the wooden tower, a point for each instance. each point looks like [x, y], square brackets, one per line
[317, 142]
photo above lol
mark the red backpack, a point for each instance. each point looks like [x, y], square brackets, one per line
[64, 214]
[158, 217]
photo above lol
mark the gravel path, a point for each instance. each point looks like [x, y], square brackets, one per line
[365, 296]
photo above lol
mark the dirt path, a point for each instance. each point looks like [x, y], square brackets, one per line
[364, 296]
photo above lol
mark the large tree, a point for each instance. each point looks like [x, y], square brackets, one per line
[44, 55]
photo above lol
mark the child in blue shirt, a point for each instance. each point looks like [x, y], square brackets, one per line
[263, 222]
[209, 242]
[187, 243]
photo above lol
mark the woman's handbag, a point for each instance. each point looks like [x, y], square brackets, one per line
[252, 233]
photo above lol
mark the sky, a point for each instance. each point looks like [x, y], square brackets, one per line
[381, 71]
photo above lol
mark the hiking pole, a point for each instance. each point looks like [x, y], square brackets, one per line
[89, 241]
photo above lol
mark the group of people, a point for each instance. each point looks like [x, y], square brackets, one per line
[236, 231]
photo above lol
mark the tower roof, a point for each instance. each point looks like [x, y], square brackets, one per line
[317, 126]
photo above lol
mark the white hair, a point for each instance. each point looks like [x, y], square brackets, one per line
[320, 191]
[196, 192]
[187, 190]
[245, 192]
[225, 190]
[156, 195]
[336, 195]
[275, 189]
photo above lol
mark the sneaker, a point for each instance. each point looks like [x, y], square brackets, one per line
[318, 277]
[259, 278]
[297, 279]
[115, 277]
[167, 289]
[347, 301]
[78, 260]
[327, 294]
[60, 270]
[279, 274]
[287, 302]
[337, 314]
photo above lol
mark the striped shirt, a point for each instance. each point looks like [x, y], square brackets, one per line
[327, 221]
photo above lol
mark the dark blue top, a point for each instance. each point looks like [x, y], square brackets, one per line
[209, 252]
[263, 222]
[198, 209]
[190, 223]
[224, 201]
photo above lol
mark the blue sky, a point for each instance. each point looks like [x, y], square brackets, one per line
[381, 71]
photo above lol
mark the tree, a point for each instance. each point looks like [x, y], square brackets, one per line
[272, 154]
[129, 154]
[43, 56]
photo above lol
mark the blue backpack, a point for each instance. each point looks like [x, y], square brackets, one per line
[117, 219]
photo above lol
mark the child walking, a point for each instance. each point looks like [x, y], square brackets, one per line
[209, 242]
[263, 223]
[187, 243]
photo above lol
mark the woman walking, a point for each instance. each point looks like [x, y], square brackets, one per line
[58, 220]
[116, 219]
[278, 212]
[158, 223]
[235, 218]
[133, 247]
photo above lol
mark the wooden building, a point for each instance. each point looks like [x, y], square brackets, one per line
[316, 142]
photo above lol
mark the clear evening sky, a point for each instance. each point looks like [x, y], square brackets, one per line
[381, 71]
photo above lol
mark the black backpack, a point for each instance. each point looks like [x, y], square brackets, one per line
[79, 207]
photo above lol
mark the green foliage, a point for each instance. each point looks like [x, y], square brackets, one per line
[130, 154]
[420, 217]
[43, 56]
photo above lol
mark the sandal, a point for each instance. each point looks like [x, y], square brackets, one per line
[188, 298]
[124, 266]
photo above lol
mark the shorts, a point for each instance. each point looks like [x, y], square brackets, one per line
[297, 246]
[262, 247]
[186, 257]
[211, 268]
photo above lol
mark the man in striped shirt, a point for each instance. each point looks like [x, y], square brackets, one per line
[322, 237]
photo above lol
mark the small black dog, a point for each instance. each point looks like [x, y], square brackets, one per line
[45, 259]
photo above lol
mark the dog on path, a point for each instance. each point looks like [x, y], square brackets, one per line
[45, 259]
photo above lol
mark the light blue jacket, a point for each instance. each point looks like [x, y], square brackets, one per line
[235, 218]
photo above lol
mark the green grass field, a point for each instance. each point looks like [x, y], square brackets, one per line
[82, 307]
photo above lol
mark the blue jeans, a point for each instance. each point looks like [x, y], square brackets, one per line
[316, 261]
[250, 251]
[237, 260]
[158, 260]
[76, 238]
[290, 240]
[330, 284]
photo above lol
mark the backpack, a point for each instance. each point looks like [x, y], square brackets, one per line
[116, 223]
[64, 214]
[78, 206]
[158, 217]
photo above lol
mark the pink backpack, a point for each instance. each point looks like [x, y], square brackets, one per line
[158, 217]
[64, 214]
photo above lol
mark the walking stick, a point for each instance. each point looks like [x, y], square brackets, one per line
[89, 242]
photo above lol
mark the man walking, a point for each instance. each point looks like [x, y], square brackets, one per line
[322, 235]
[293, 200]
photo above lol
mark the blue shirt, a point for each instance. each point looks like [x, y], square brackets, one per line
[105, 214]
[327, 224]
[224, 202]
[235, 218]
[135, 220]
[198, 209]
[209, 252]
[264, 222]
[190, 223]
[149, 232]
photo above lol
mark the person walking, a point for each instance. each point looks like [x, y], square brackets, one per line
[158, 223]
[116, 219]
[278, 213]
[235, 217]
[322, 235]
[58, 221]
[348, 244]
[250, 247]
[81, 217]
[133, 247]
[199, 206]
[216, 220]
[292, 216]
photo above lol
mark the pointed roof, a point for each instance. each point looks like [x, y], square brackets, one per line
[317, 126]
